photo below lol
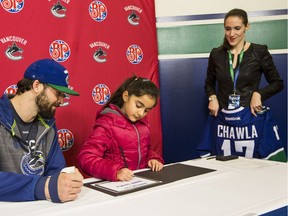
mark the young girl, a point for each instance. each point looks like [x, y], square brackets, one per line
[120, 140]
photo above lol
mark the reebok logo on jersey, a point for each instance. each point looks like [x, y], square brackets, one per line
[233, 118]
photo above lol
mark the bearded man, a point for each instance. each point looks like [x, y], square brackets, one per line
[31, 161]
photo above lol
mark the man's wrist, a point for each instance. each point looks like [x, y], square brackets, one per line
[47, 194]
[40, 188]
[53, 188]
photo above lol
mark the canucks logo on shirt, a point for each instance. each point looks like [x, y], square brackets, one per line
[32, 163]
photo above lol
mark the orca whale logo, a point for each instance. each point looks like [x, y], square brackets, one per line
[14, 52]
[133, 18]
[99, 54]
[58, 10]
[32, 163]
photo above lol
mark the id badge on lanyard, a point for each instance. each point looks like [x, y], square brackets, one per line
[234, 99]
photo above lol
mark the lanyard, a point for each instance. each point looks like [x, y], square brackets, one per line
[234, 79]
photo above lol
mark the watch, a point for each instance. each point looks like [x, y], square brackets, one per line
[212, 97]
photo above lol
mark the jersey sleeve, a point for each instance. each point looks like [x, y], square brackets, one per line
[17, 187]
[206, 145]
[271, 146]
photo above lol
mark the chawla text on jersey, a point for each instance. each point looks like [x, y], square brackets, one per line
[238, 133]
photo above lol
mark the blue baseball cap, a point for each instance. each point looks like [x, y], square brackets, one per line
[51, 73]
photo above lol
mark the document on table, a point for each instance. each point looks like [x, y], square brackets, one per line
[122, 187]
[148, 178]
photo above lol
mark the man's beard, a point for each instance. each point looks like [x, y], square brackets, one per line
[45, 107]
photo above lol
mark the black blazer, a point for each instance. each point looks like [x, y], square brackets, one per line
[256, 60]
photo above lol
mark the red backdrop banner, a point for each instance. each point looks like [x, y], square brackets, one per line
[101, 43]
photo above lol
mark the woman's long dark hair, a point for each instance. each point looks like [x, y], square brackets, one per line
[239, 13]
[134, 85]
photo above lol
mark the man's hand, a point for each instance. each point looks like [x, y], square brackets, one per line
[69, 185]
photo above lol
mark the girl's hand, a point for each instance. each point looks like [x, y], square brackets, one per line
[124, 174]
[255, 103]
[155, 165]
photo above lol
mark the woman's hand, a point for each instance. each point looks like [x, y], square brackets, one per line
[213, 105]
[255, 103]
[155, 165]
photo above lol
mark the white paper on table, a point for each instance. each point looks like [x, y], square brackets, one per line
[122, 186]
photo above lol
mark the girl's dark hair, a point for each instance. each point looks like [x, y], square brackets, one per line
[239, 13]
[24, 85]
[137, 86]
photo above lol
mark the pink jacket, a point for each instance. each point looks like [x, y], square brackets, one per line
[114, 143]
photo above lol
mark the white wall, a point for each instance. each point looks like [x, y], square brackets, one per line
[188, 7]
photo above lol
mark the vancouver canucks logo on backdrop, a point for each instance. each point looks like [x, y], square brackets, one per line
[58, 10]
[133, 18]
[65, 139]
[14, 52]
[133, 14]
[98, 11]
[59, 50]
[14, 49]
[101, 94]
[32, 163]
[100, 53]
[12, 6]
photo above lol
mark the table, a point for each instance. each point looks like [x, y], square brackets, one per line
[243, 187]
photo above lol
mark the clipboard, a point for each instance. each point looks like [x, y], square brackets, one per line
[174, 172]
[148, 179]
